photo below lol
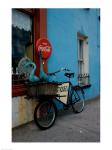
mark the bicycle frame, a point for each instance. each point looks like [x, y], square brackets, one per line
[65, 93]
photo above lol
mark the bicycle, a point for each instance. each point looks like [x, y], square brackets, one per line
[45, 112]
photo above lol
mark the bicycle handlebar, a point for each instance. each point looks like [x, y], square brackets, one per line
[54, 73]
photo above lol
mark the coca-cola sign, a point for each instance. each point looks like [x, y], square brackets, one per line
[44, 45]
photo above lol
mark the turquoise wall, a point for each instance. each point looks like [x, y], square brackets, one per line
[62, 28]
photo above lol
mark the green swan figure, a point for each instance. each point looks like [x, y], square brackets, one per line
[32, 77]
[43, 77]
[27, 67]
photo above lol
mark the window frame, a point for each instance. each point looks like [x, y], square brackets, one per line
[39, 31]
[83, 62]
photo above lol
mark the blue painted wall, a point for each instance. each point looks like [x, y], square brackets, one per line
[62, 28]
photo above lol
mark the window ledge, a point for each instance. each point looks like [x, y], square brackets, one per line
[18, 90]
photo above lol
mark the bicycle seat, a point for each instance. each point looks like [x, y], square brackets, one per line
[69, 75]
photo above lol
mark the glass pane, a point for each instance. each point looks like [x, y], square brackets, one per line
[21, 20]
[21, 37]
[81, 49]
[80, 68]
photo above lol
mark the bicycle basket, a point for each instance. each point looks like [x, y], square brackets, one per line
[42, 89]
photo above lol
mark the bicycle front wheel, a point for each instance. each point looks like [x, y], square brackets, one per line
[78, 101]
[45, 114]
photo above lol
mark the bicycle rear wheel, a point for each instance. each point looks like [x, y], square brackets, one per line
[78, 100]
[45, 114]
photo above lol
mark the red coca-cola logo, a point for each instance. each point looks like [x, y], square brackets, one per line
[44, 45]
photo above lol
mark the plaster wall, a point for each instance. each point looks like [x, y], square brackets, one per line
[62, 28]
[22, 110]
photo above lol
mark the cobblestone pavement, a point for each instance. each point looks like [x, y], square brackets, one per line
[69, 127]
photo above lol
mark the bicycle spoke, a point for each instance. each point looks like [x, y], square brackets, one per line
[45, 114]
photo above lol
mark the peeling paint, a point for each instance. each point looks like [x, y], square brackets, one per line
[22, 110]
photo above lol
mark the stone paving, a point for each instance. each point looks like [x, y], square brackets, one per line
[69, 127]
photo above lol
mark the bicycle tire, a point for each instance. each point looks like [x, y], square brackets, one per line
[78, 102]
[42, 113]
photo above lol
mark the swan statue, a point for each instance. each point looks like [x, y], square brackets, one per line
[27, 67]
[32, 77]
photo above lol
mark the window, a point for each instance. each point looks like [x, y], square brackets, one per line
[21, 42]
[28, 25]
[22, 37]
[83, 60]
